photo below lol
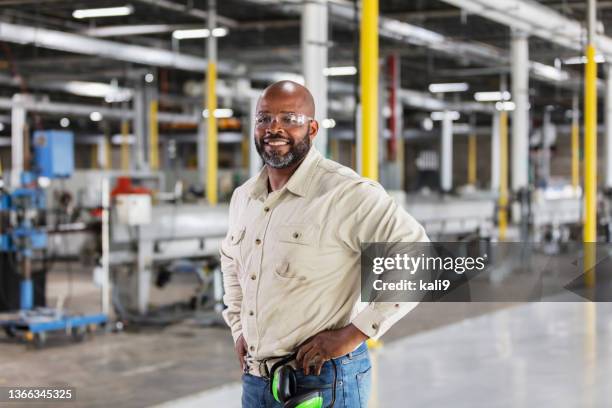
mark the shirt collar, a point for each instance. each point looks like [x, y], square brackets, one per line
[298, 183]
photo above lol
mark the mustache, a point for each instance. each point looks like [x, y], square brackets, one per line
[276, 136]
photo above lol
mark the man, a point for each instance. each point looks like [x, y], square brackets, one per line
[291, 259]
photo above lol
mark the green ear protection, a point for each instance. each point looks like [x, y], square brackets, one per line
[283, 386]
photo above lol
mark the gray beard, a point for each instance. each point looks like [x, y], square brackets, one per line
[295, 154]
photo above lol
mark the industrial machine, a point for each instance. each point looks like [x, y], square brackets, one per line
[23, 239]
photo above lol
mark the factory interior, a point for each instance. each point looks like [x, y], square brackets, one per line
[489, 122]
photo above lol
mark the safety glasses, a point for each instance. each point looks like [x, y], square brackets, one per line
[285, 120]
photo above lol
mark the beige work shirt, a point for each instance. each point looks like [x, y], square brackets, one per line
[291, 258]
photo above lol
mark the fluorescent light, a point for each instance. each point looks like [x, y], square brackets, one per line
[199, 33]
[583, 59]
[110, 93]
[339, 71]
[328, 123]
[1, 126]
[492, 96]
[119, 139]
[453, 115]
[103, 12]
[449, 87]
[95, 116]
[219, 113]
[219, 32]
[505, 106]
[64, 122]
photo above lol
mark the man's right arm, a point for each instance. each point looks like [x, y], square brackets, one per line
[231, 284]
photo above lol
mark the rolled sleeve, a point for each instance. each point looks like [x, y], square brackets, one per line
[378, 218]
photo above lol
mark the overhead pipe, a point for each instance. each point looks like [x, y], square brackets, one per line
[59, 40]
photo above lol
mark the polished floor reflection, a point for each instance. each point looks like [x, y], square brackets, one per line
[533, 355]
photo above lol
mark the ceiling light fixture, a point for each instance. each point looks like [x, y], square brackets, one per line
[328, 123]
[95, 116]
[199, 33]
[493, 96]
[449, 87]
[339, 71]
[103, 12]
[219, 113]
[505, 106]
[439, 115]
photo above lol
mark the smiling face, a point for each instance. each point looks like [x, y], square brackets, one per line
[284, 126]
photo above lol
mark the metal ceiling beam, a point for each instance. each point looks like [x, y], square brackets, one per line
[535, 19]
[342, 12]
[67, 109]
[135, 29]
[79, 44]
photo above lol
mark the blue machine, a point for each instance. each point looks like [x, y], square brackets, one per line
[53, 158]
[54, 153]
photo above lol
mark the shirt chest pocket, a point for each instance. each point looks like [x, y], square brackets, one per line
[236, 236]
[297, 251]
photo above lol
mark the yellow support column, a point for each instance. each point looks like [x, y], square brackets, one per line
[502, 212]
[211, 104]
[472, 158]
[369, 88]
[590, 164]
[125, 146]
[153, 136]
[590, 150]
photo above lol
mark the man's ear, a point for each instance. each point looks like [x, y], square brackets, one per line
[313, 129]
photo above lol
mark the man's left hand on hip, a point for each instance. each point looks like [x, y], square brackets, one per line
[326, 345]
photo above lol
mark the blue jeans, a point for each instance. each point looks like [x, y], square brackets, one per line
[352, 383]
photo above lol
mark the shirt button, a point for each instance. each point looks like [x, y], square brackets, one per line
[397, 305]
[251, 313]
[266, 209]
[296, 235]
[252, 348]
[253, 277]
[375, 326]
[258, 241]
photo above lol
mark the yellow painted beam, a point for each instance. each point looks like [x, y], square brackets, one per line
[108, 158]
[369, 88]
[153, 136]
[94, 156]
[125, 146]
[590, 164]
[400, 160]
[502, 212]
[211, 136]
[334, 149]
[472, 159]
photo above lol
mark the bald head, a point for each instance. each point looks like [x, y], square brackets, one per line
[292, 93]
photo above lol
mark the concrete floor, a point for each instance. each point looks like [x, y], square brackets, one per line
[472, 355]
